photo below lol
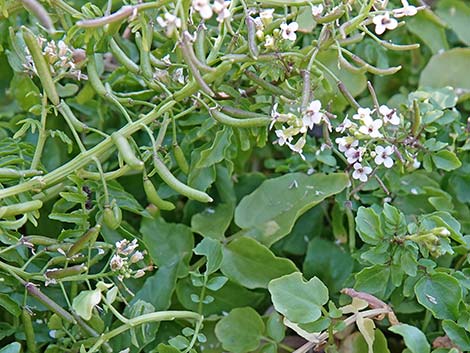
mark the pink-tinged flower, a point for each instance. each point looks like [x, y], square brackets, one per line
[406, 10]
[362, 113]
[345, 143]
[390, 116]
[282, 138]
[312, 114]
[169, 22]
[371, 127]
[288, 31]
[346, 124]
[220, 7]
[361, 172]
[317, 10]
[266, 16]
[383, 156]
[354, 154]
[384, 22]
[203, 7]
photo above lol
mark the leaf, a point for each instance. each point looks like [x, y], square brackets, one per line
[14, 347]
[457, 334]
[10, 305]
[253, 265]
[355, 343]
[269, 213]
[275, 328]
[213, 221]
[425, 26]
[299, 301]
[456, 14]
[441, 294]
[215, 153]
[368, 226]
[143, 334]
[124, 199]
[374, 280]
[240, 331]
[168, 243]
[446, 160]
[212, 250]
[415, 340]
[85, 301]
[329, 262]
[449, 68]
[367, 328]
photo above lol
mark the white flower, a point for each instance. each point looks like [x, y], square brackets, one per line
[282, 138]
[178, 75]
[269, 42]
[288, 31]
[383, 156]
[136, 257]
[139, 273]
[203, 7]
[220, 7]
[406, 10]
[169, 22]
[312, 114]
[384, 22]
[298, 147]
[266, 16]
[346, 124]
[362, 113]
[371, 127]
[345, 143]
[361, 172]
[317, 10]
[354, 154]
[116, 263]
[389, 115]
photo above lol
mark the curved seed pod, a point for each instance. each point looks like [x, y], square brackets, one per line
[242, 123]
[154, 198]
[38, 240]
[180, 158]
[93, 77]
[20, 208]
[398, 47]
[112, 216]
[66, 272]
[121, 56]
[332, 16]
[239, 113]
[42, 68]
[67, 113]
[126, 151]
[269, 86]
[40, 13]
[89, 237]
[123, 13]
[177, 185]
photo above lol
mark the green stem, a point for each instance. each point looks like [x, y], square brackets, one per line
[42, 135]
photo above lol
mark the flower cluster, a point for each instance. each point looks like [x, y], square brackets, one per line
[125, 256]
[362, 133]
[206, 10]
[63, 60]
[385, 21]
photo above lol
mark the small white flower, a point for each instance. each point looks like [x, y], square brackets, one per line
[220, 7]
[282, 138]
[346, 124]
[371, 127]
[406, 10]
[361, 172]
[178, 75]
[384, 22]
[345, 143]
[298, 147]
[390, 116]
[203, 7]
[383, 156]
[139, 273]
[269, 42]
[266, 16]
[312, 114]
[288, 31]
[317, 10]
[362, 113]
[354, 154]
[169, 22]
[136, 257]
[116, 263]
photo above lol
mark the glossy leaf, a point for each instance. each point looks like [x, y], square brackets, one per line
[414, 338]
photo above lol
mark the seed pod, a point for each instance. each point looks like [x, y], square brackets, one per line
[38, 240]
[93, 77]
[154, 198]
[251, 29]
[89, 237]
[66, 272]
[416, 122]
[180, 158]
[68, 115]
[278, 91]
[239, 113]
[15, 174]
[242, 123]
[20, 208]
[28, 330]
[40, 13]
[126, 151]
[112, 217]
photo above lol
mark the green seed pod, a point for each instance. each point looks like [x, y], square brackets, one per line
[20, 208]
[154, 198]
[38, 240]
[112, 217]
[93, 77]
[126, 151]
[89, 237]
[242, 123]
[28, 330]
[66, 272]
[67, 113]
[180, 158]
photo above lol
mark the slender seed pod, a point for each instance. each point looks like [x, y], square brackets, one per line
[352, 39]
[121, 56]
[342, 88]
[350, 67]
[123, 13]
[15, 174]
[251, 29]
[40, 13]
[67, 113]
[20, 208]
[239, 113]
[93, 77]
[190, 51]
[126, 151]
[242, 123]
[154, 198]
[112, 215]
[177, 185]
[28, 330]
[42, 67]
[338, 12]
[398, 47]
[269, 86]
[38, 240]
[416, 124]
[66, 272]
[199, 44]
[180, 158]
[89, 237]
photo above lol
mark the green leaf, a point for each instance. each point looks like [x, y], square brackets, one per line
[457, 334]
[85, 301]
[425, 26]
[449, 68]
[216, 153]
[212, 250]
[213, 221]
[446, 160]
[10, 305]
[253, 265]
[299, 301]
[14, 347]
[25, 91]
[269, 213]
[240, 331]
[456, 14]
[415, 340]
[355, 343]
[368, 226]
[441, 294]
[275, 327]
[374, 280]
